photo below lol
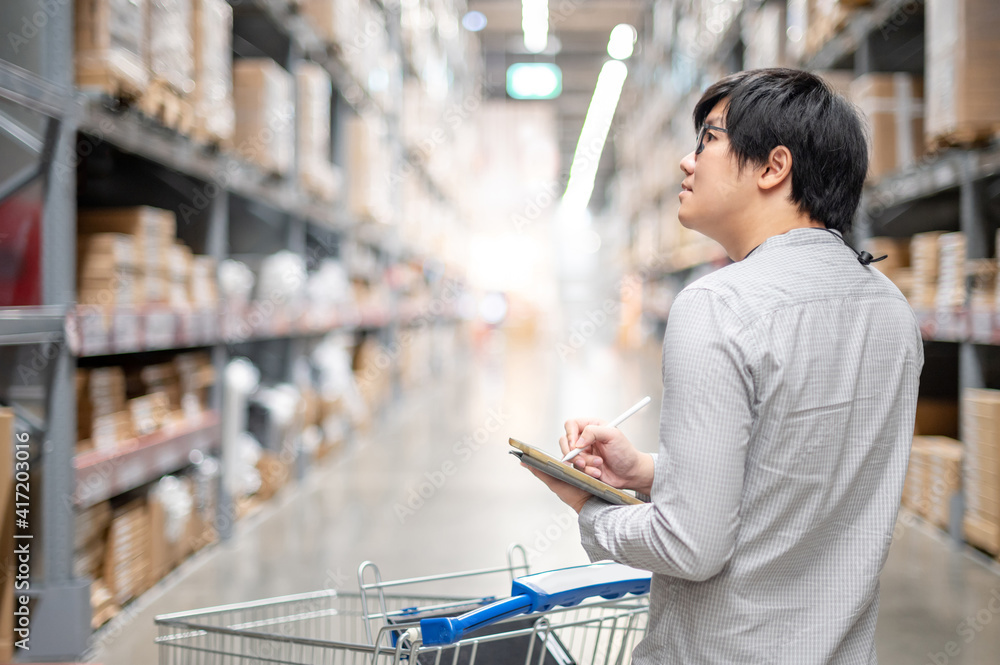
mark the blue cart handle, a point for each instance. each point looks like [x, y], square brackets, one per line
[540, 593]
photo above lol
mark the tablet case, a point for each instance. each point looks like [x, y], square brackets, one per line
[556, 468]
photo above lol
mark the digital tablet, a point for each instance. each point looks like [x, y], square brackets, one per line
[556, 468]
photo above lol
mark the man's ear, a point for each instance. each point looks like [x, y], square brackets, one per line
[776, 169]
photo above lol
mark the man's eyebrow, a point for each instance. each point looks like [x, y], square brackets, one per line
[713, 120]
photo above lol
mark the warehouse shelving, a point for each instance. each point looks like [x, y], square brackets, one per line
[101, 475]
[172, 166]
[840, 51]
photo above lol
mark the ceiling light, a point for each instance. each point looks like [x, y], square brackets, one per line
[594, 134]
[623, 38]
[474, 21]
[534, 80]
[535, 24]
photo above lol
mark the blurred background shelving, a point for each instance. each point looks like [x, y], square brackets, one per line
[233, 233]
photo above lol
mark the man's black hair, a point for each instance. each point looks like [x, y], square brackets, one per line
[790, 107]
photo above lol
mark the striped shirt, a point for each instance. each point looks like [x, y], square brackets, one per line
[789, 394]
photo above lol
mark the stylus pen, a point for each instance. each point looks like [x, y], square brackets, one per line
[614, 423]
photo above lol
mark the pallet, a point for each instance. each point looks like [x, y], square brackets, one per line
[963, 137]
[113, 75]
[161, 103]
[211, 140]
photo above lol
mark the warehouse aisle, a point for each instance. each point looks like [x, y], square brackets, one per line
[431, 489]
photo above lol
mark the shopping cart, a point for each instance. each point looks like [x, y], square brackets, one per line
[589, 614]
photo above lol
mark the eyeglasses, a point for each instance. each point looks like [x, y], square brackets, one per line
[701, 137]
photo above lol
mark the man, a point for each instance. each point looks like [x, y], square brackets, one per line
[789, 393]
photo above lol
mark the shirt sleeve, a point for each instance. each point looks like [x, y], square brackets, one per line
[689, 529]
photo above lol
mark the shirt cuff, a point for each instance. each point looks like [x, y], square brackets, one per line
[587, 521]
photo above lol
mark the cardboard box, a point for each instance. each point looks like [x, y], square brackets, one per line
[126, 566]
[274, 474]
[962, 56]
[91, 525]
[893, 105]
[366, 168]
[212, 37]
[981, 431]
[110, 431]
[335, 20]
[102, 604]
[936, 465]
[924, 257]
[169, 47]
[153, 229]
[148, 412]
[203, 290]
[896, 249]
[263, 93]
[951, 286]
[317, 174]
[110, 48]
[99, 254]
[984, 534]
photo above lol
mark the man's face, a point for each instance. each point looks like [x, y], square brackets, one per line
[714, 192]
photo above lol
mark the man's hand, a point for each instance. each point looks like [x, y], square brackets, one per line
[574, 497]
[609, 455]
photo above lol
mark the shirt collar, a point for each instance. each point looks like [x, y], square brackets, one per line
[797, 238]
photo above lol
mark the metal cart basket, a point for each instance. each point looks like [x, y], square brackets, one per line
[376, 625]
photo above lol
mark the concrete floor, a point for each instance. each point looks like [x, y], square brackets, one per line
[313, 536]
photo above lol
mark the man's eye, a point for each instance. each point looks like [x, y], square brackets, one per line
[708, 137]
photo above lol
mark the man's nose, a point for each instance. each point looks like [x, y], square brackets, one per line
[687, 164]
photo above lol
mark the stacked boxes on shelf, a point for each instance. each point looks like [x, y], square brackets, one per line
[264, 99]
[126, 562]
[981, 431]
[152, 233]
[963, 90]
[334, 20]
[171, 536]
[317, 175]
[951, 288]
[924, 258]
[108, 272]
[115, 405]
[982, 274]
[825, 19]
[110, 46]
[896, 265]
[934, 476]
[893, 105]
[179, 271]
[170, 61]
[211, 32]
[103, 421]
[89, 556]
[367, 168]
[129, 256]
[204, 285]
[124, 550]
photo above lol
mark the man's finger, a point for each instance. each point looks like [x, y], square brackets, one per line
[571, 433]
